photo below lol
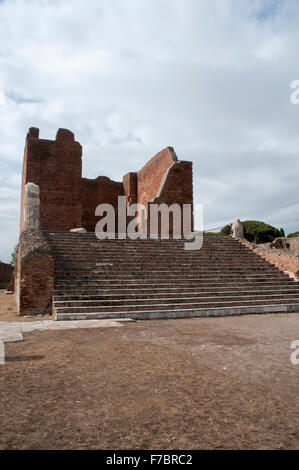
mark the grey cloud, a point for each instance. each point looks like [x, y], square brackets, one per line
[19, 99]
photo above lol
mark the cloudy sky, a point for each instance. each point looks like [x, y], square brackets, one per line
[129, 77]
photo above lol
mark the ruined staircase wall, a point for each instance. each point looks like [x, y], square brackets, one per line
[285, 260]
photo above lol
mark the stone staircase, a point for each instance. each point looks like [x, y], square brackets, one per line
[151, 279]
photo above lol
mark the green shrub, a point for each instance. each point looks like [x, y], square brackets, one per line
[294, 234]
[212, 234]
[176, 169]
[226, 230]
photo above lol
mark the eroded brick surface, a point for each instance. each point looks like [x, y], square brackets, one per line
[35, 273]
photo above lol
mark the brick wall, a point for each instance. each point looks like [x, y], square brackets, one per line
[165, 179]
[176, 187]
[34, 279]
[130, 188]
[55, 166]
[102, 190]
[68, 201]
[149, 178]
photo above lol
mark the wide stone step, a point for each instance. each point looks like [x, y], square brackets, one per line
[156, 257]
[123, 284]
[172, 313]
[142, 292]
[176, 304]
[167, 293]
[142, 245]
[58, 237]
[189, 270]
[208, 280]
[170, 300]
[141, 257]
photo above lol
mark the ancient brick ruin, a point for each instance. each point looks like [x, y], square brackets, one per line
[68, 201]
[75, 275]
[282, 253]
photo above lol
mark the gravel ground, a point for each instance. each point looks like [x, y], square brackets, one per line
[214, 383]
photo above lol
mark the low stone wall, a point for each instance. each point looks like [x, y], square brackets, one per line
[284, 259]
[34, 280]
[6, 271]
[293, 244]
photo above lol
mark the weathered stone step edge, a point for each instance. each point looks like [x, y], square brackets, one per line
[102, 294]
[176, 246]
[163, 263]
[141, 254]
[135, 248]
[204, 254]
[191, 271]
[174, 299]
[88, 285]
[163, 306]
[209, 281]
[186, 313]
[172, 274]
[212, 272]
[66, 234]
[93, 261]
[177, 292]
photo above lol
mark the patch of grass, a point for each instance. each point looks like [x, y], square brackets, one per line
[216, 446]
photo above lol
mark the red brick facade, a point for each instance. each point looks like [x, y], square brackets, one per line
[56, 167]
[69, 201]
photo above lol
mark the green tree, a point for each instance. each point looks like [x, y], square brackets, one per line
[282, 232]
[14, 256]
[259, 232]
[256, 231]
[294, 234]
[226, 230]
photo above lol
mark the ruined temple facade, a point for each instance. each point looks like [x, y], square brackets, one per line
[56, 199]
[55, 267]
[68, 201]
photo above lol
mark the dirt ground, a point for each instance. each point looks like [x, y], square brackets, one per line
[8, 309]
[214, 383]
